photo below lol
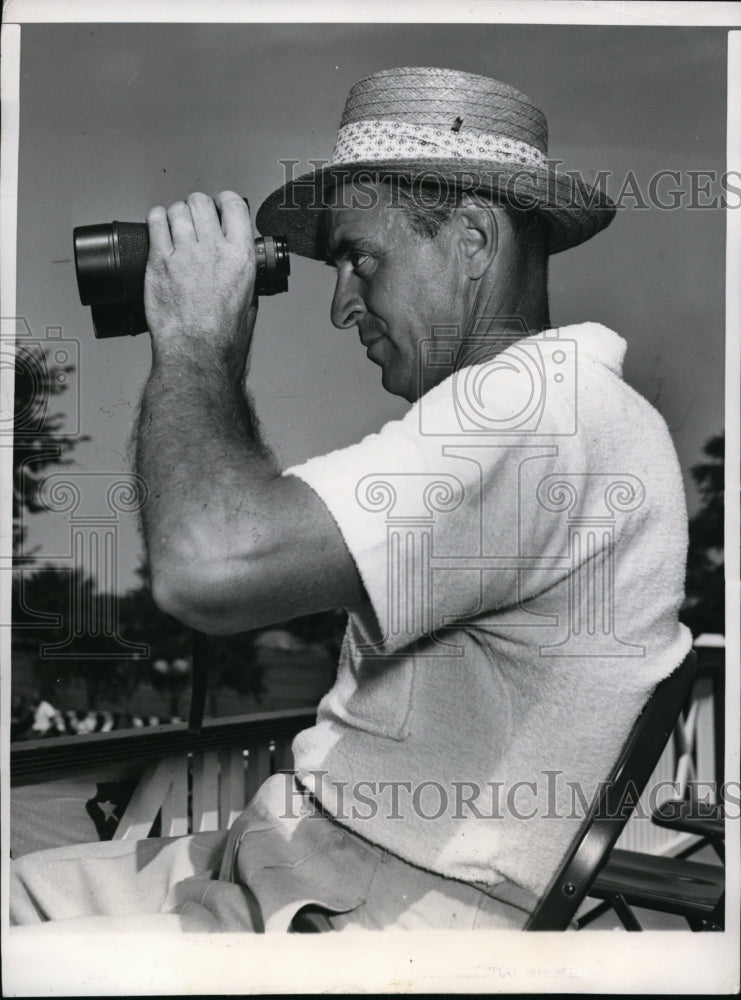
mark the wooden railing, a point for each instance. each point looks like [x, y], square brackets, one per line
[693, 757]
[190, 783]
[194, 783]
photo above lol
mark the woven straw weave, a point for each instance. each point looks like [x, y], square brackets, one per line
[428, 96]
[444, 99]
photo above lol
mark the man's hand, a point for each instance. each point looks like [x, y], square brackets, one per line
[200, 279]
[232, 543]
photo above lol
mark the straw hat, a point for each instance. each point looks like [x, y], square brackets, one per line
[452, 128]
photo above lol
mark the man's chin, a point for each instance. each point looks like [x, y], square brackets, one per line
[392, 383]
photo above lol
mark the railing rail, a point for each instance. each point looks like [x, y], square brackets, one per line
[201, 781]
[49, 759]
[695, 754]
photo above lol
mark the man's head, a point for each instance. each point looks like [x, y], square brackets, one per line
[460, 129]
[478, 252]
[409, 260]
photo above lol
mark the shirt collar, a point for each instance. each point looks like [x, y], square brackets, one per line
[598, 342]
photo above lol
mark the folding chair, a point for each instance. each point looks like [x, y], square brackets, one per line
[626, 878]
[688, 813]
[694, 890]
[706, 821]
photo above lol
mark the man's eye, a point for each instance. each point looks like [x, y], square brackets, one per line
[357, 259]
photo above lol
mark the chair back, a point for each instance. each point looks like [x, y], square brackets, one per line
[612, 807]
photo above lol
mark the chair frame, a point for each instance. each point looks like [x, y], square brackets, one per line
[605, 820]
[609, 812]
[673, 885]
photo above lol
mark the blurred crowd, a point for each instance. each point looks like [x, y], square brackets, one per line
[36, 718]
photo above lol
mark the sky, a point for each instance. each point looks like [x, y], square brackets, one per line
[116, 118]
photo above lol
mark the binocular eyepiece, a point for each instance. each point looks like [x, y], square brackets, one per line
[110, 261]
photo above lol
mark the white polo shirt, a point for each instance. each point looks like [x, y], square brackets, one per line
[521, 534]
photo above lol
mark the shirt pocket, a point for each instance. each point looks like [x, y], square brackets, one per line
[372, 693]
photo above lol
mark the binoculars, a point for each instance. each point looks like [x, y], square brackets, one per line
[110, 261]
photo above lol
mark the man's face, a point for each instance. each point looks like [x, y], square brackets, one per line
[393, 284]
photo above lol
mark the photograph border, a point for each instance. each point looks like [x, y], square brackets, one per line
[655, 962]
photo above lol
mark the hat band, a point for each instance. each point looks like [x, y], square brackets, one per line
[384, 140]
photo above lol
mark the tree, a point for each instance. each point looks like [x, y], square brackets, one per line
[54, 615]
[41, 598]
[169, 643]
[38, 439]
[233, 663]
[231, 658]
[325, 629]
[704, 607]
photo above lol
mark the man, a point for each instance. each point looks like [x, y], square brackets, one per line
[511, 551]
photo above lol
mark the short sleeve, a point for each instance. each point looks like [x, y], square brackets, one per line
[444, 523]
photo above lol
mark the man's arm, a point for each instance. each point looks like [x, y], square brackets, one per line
[232, 544]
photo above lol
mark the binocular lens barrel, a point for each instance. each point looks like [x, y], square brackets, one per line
[110, 261]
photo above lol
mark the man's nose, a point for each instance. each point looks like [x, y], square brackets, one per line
[347, 304]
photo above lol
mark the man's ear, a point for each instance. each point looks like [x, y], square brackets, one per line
[479, 234]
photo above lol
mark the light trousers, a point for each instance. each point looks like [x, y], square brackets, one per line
[255, 877]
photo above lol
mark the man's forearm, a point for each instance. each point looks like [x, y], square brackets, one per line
[232, 544]
[199, 451]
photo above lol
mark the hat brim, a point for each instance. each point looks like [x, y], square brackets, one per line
[574, 212]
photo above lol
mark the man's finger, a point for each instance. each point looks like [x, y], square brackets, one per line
[205, 217]
[235, 219]
[160, 241]
[181, 224]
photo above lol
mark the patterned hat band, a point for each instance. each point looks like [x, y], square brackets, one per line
[385, 140]
[424, 121]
